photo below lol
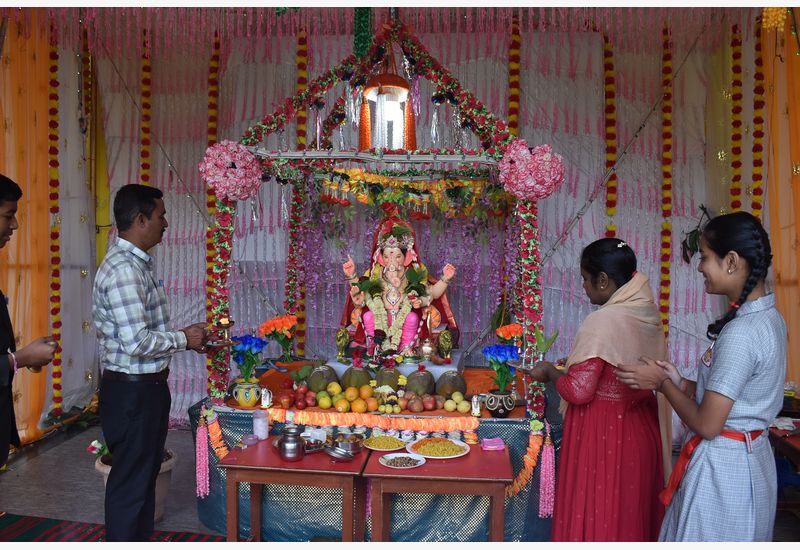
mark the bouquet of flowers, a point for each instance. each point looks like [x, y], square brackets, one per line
[499, 355]
[246, 354]
[281, 329]
[510, 334]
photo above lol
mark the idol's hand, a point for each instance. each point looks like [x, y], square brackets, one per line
[349, 268]
[448, 272]
[645, 376]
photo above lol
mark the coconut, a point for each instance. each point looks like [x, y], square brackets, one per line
[388, 377]
[320, 377]
[449, 383]
[355, 378]
[420, 382]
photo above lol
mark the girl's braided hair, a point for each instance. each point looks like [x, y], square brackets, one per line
[742, 233]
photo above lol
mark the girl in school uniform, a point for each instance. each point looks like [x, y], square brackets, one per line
[724, 485]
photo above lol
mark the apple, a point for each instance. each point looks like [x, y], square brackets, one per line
[300, 404]
[312, 394]
[428, 402]
[302, 389]
[311, 401]
[403, 402]
[439, 401]
[285, 401]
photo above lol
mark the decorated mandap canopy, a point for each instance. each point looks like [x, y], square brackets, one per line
[653, 112]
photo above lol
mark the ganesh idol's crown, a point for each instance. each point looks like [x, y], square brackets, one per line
[398, 237]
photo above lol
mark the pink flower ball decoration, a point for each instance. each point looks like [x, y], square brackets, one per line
[231, 170]
[530, 174]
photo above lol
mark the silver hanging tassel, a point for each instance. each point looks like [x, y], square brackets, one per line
[434, 124]
[455, 129]
[350, 106]
[341, 137]
[318, 126]
[358, 97]
[284, 206]
[253, 210]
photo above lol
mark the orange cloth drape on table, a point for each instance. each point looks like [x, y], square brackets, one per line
[23, 157]
[782, 87]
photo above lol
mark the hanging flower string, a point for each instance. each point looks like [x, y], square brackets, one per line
[219, 299]
[219, 355]
[610, 117]
[296, 283]
[736, 120]
[666, 179]
[528, 465]
[86, 77]
[55, 226]
[147, 109]
[757, 190]
[513, 77]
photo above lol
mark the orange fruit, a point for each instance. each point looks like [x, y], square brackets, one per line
[351, 394]
[365, 391]
[359, 406]
[372, 404]
[343, 406]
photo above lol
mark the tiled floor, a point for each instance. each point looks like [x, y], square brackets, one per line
[56, 478]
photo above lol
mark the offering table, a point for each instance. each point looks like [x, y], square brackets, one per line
[261, 464]
[482, 473]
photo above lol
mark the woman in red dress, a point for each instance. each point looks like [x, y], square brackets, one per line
[611, 466]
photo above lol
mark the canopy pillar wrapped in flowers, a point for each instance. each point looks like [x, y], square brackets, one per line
[236, 170]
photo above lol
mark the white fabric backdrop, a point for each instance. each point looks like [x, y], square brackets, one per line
[562, 104]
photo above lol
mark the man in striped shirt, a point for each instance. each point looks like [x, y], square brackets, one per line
[136, 345]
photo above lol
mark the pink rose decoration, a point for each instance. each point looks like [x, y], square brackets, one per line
[530, 174]
[231, 170]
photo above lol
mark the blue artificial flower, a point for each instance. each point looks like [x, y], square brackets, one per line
[501, 353]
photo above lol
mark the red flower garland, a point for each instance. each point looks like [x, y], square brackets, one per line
[757, 204]
[144, 129]
[55, 227]
[736, 121]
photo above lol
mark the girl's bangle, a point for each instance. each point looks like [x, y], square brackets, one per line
[13, 361]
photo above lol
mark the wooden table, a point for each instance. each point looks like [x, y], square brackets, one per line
[482, 473]
[261, 464]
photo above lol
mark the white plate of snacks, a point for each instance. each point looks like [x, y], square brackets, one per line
[401, 461]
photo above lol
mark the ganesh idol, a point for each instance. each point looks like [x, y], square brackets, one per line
[396, 295]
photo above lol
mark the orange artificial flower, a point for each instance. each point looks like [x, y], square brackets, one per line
[509, 333]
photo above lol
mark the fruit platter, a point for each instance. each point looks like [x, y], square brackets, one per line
[384, 443]
[438, 447]
[401, 461]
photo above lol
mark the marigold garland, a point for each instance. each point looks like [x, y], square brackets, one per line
[220, 355]
[513, 77]
[736, 121]
[757, 190]
[297, 263]
[529, 462]
[610, 119]
[55, 227]
[147, 108]
[666, 179]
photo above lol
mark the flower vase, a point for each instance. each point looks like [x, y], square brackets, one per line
[247, 394]
[103, 465]
[500, 403]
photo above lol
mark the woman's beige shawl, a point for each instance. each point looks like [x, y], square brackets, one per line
[623, 329]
